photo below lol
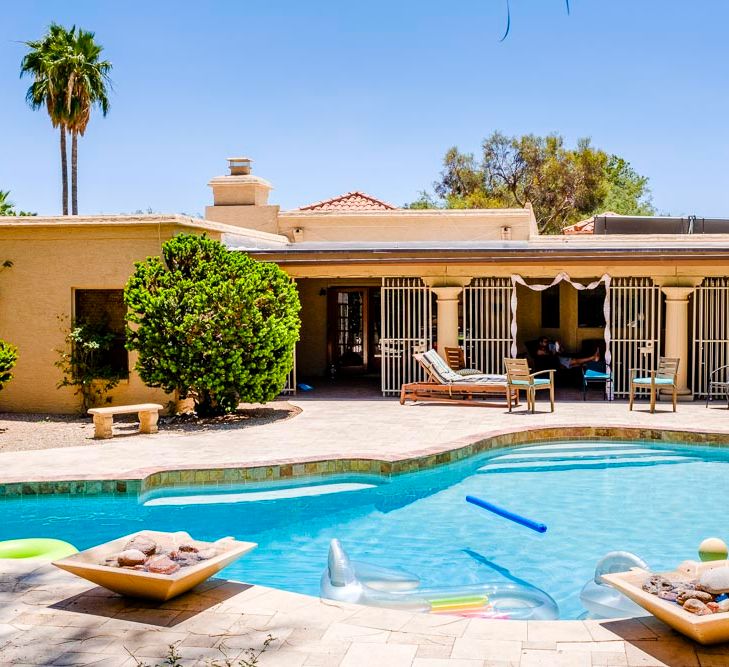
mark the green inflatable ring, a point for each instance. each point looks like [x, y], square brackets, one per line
[40, 548]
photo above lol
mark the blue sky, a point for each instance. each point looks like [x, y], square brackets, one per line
[335, 96]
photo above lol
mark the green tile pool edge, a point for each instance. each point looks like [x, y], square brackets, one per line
[255, 474]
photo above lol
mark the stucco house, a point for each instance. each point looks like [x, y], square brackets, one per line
[378, 282]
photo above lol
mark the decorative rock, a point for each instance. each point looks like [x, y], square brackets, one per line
[205, 554]
[671, 596]
[697, 607]
[716, 581]
[657, 583]
[131, 557]
[713, 548]
[143, 544]
[188, 547]
[684, 595]
[723, 604]
[162, 565]
[713, 606]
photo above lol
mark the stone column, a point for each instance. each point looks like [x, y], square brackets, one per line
[447, 316]
[676, 344]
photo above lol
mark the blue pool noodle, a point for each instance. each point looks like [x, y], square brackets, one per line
[516, 518]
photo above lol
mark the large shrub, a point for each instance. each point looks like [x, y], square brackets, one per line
[8, 357]
[212, 324]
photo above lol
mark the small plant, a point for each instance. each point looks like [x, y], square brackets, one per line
[83, 365]
[8, 357]
[247, 658]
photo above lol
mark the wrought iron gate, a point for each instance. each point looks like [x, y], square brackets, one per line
[290, 386]
[407, 328]
[635, 323]
[486, 323]
[710, 331]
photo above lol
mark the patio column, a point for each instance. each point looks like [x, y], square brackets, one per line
[676, 344]
[447, 314]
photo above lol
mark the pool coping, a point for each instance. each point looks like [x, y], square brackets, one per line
[143, 480]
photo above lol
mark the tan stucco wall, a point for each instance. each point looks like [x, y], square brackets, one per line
[311, 351]
[452, 225]
[48, 264]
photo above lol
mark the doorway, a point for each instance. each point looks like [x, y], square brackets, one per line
[353, 337]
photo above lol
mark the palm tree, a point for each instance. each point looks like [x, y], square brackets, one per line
[69, 79]
[43, 63]
[87, 79]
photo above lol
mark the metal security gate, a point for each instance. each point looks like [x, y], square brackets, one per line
[635, 322]
[486, 323]
[407, 328]
[290, 386]
[710, 332]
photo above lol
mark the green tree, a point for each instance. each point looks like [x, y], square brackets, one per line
[563, 184]
[7, 207]
[212, 324]
[8, 357]
[69, 79]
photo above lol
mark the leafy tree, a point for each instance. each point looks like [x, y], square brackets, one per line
[7, 207]
[8, 357]
[212, 324]
[69, 79]
[563, 184]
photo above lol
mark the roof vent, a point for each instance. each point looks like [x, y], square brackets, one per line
[239, 166]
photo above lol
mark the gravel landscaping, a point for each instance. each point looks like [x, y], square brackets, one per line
[19, 432]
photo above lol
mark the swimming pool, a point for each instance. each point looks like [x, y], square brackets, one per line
[657, 500]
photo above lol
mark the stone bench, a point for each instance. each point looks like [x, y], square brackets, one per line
[104, 418]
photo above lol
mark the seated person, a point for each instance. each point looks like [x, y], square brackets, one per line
[554, 350]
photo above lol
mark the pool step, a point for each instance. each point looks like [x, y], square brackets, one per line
[582, 464]
[525, 455]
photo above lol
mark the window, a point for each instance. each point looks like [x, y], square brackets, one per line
[103, 310]
[550, 308]
[590, 304]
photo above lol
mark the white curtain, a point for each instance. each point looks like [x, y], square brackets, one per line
[518, 280]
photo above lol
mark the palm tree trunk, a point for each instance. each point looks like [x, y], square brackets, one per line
[64, 171]
[74, 173]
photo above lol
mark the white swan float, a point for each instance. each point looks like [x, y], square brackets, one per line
[360, 583]
[603, 601]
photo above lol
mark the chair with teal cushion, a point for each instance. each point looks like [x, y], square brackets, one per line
[665, 377]
[518, 377]
[595, 373]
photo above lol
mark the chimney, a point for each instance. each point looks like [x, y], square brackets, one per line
[240, 187]
[239, 166]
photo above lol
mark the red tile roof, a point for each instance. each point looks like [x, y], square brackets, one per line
[350, 201]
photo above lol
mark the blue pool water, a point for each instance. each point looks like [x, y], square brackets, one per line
[658, 501]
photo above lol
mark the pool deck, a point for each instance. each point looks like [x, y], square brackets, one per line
[48, 617]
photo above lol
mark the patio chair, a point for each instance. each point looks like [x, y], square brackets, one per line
[518, 377]
[664, 378]
[719, 380]
[595, 373]
[456, 359]
[445, 385]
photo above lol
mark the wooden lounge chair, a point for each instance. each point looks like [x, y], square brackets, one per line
[445, 385]
[519, 378]
[456, 359]
[665, 378]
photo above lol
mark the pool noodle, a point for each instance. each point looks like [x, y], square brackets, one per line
[506, 514]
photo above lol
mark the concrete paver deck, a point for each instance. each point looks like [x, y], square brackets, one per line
[48, 617]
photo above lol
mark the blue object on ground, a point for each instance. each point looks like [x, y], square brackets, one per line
[516, 518]
[304, 387]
